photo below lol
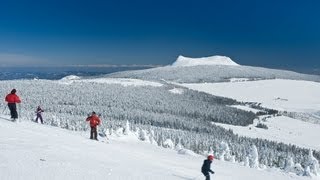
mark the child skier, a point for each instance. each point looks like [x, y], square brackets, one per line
[206, 167]
[38, 112]
[94, 122]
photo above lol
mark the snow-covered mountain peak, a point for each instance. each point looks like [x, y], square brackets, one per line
[212, 60]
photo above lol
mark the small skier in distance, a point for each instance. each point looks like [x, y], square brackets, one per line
[206, 167]
[39, 115]
[12, 99]
[94, 122]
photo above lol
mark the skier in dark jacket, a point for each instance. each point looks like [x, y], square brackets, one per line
[12, 99]
[39, 115]
[206, 167]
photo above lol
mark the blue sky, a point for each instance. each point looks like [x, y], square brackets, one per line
[283, 34]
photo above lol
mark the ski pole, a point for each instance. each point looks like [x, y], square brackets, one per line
[5, 107]
[19, 112]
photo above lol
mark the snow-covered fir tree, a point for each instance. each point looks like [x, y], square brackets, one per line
[253, 157]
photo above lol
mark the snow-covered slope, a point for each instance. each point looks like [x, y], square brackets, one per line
[212, 60]
[280, 94]
[282, 129]
[297, 99]
[30, 151]
[164, 111]
[217, 73]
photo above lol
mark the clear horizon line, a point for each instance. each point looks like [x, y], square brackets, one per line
[86, 65]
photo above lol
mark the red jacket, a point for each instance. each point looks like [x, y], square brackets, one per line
[94, 120]
[13, 98]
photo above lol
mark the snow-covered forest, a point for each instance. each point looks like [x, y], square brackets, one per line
[159, 115]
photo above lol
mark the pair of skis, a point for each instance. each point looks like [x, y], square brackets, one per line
[13, 120]
[4, 109]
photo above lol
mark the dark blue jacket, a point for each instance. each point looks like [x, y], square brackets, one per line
[206, 167]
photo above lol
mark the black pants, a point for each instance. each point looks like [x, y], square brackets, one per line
[207, 176]
[39, 116]
[13, 110]
[93, 133]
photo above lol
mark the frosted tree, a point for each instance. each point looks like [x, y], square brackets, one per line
[298, 169]
[227, 155]
[107, 131]
[246, 162]
[126, 130]
[233, 159]
[253, 157]
[307, 171]
[143, 135]
[168, 144]
[151, 137]
[313, 163]
[224, 152]
[178, 146]
[289, 166]
[210, 151]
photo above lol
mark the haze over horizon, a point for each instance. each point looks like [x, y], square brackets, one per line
[258, 33]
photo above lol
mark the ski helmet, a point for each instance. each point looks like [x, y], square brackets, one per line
[211, 157]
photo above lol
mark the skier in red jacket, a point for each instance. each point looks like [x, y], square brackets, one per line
[12, 99]
[94, 122]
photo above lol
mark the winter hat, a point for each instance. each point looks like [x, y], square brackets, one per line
[13, 91]
[211, 157]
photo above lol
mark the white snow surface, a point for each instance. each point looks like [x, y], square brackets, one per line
[176, 91]
[212, 60]
[245, 108]
[30, 151]
[282, 129]
[238, 79]
[280, 94]
[284, 95]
